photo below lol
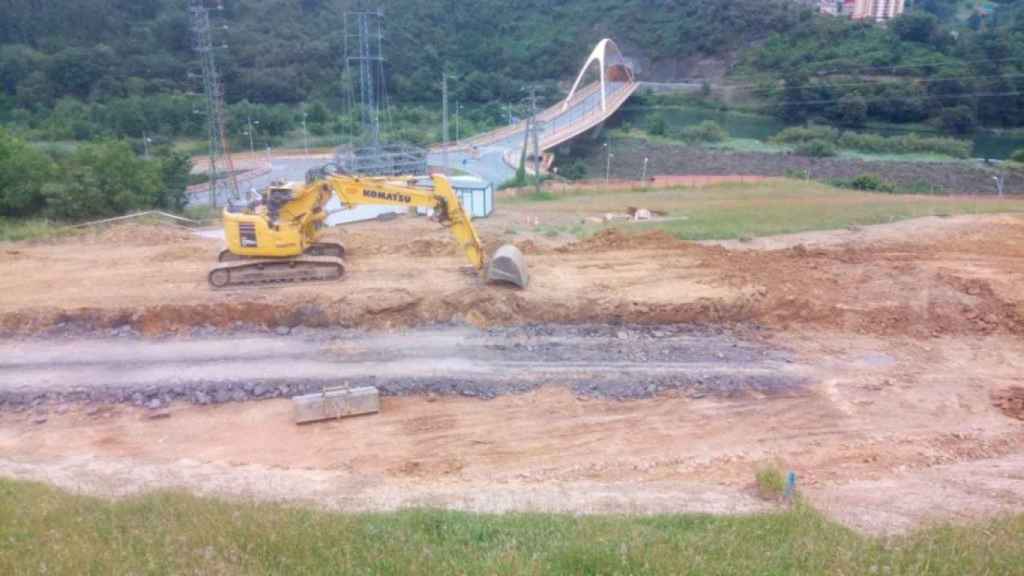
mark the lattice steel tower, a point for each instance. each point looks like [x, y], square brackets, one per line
[364, 46]
[220, 150]
[364, 49]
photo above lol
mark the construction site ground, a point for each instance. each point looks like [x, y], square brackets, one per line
[638, 373]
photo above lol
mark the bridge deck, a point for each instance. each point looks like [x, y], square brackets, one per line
[559, 123]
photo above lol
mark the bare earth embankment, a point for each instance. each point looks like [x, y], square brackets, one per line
[875, 363]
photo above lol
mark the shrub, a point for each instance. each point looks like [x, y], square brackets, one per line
[875, 143]
[816, 149]
[799, 134]
[575, 170]
[866, 183]
[656, 125]
[905, 144]
[1018, 155]
[706, 131]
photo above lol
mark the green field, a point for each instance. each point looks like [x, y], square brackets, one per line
[731, 211]
[45, 531]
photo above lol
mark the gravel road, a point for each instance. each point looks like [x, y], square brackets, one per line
[618, 362]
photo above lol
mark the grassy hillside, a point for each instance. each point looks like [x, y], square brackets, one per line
[47, 531]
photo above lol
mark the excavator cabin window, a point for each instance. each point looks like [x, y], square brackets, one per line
[275, 199]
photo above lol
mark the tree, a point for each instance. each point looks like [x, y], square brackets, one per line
[24, 171]
[73, 71]
[915, 26]
[942, 9]
[104, 179]
[852, 111]
[317, 113]
[792, 108]
[16, 63]
[958, 119]
[175, 168]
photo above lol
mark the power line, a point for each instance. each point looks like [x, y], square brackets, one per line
[866, 100]
[878, 83]
[907, 98]
[863, 69]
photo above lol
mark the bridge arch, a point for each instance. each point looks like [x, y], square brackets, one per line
[612, 66]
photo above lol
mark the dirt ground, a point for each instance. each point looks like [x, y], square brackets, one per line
[911, 332]
[941, 276]
[885, 419]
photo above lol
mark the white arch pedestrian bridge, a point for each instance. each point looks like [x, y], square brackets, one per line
[586, 107]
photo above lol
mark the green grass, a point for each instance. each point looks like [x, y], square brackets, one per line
[779, 207]
[763, 147]
[30, 229]
[201, 213]
[902, 157]
[762, 210]
[771, 483]
[750, 145]
[46, 531]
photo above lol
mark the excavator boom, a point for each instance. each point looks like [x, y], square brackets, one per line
[279, 239]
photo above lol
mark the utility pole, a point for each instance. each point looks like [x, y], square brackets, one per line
[643, 178]
[305, 136]
[608, 164]
[145, 144]
[444, 117]
[536, 139]
[252, 146]
[458, 123]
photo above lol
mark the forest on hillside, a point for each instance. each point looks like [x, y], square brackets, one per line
[83, 69]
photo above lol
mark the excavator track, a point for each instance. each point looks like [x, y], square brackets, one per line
[276, 270]
[335, 249]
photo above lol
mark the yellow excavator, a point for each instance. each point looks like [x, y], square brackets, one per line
[278, 238]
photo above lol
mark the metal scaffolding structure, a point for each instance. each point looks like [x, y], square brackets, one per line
[221, 184]
[383, 160]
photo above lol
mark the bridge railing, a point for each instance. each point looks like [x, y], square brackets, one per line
[549, 115]
[576, 121]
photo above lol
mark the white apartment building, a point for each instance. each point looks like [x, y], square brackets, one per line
[877, 10]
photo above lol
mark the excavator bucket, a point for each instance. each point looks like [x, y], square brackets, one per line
[508, 265]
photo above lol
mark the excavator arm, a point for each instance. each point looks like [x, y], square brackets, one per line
[353, 191]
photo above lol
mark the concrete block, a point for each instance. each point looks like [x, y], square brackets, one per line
[335, 403]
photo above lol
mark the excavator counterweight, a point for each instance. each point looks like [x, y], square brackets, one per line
[278, 240]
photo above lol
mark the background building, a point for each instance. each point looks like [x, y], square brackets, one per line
[877, 10]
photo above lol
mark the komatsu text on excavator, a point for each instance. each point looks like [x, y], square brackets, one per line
[278, 239]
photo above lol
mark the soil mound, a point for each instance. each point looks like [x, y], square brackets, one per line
[138, 234]
[1010, 401]
[428, 247]
[615, 239]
